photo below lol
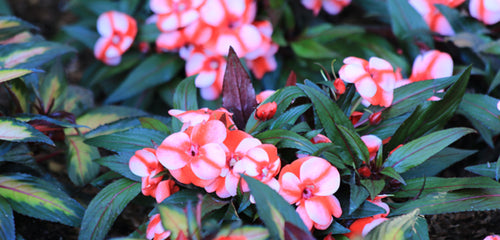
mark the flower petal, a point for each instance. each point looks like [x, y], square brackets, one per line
[326, 178]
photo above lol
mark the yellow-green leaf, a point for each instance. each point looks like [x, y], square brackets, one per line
[18, 131]
[9, 74]
[81, 168]
[38, 198]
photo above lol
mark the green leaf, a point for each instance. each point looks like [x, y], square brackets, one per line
[78, 100]
[432, 116]
[174, 220]
[82, 34]
[19, 153]
[9, 74]
[103, 115]
[266, 198]
[374, 187]
[449, 202]
[5, 8]
[353, 140]
[105, 208]
[113, 127]
[438, 162]
[52, 87]
[459, 23]
[401, 228]
[128, 141]
[40, 199]
[357, 196]
[417, 151]
[311, 49]
[81, 167]
[153, 71]
[289, 117]
[245, 232]
[30, 54]
[287, 139]
[391, 172]
[185, 97]
[7, 227]
[483, 110]
[154, 124]
[495, 82]
[119, 163]
[10, 26]
[326, 32]
[331, 117]
[17, 131]
[367, 209]
[424, 186]
[486, 169]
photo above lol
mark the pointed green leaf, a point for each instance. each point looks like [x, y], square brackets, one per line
[155, 124]
[185, 96]
[105, 208]
[119, 163]
[367, 209]
[103, 115]
[483, 113]
[10, 26]
[84, 35]
[174, 220]
[52, 87]
[153, 71]
[18, 131]
[81, 167]
[128, 141]
[486, 169]
[7, 228]
[311, 49]
[78, 100]
[357, 196]
[374, 187]
[246, 232]
[390, 172]
[38, 198]
[433, 116]
[417, 151]
[438, 163]
[287, 139]
[424, 186]
[265, 198]
[9, 74]
[398, 228]
[449, 202]
[30, 54]
[358, 147]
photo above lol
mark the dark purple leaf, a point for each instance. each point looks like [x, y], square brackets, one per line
[293, 232]
[238, 94]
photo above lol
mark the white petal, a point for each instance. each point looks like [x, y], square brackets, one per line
[366, 87]
[213, 13]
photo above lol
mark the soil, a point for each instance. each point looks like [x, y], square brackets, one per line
[49, 16]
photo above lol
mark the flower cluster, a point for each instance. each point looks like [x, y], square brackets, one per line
[203, 31]
[118, 31]
[433, 17]
[330, 6]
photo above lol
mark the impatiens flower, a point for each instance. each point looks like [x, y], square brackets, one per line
[374, 79]
[200, 149]
[264, 95]
[492, 237]
[486, 11]
[331, 6]
[361, 227]
[431, 65]
[262, 60]
[210, 68]
[310, 183]
[498, 105]
[373, 143]
[433, 17]
[266, 111]
[117, 31]
[194, 117]
[175, 14]
[155, 229]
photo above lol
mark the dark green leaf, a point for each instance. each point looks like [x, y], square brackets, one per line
[353, 140]
[433, 116]
[105, 208]
[266, 199]
[40, 199]
[449, 202]
[128, 141]
[78, 100]
[119, 163]
[402, 227]
[417, 151]
[155, 70]
[424, 186]
[82, 34]
[391, 172]
[495, 82]
[113, 127]
[358, 196]
[7, 228]
[287, 139]
[483, 113]
[438, 163]
[367, 209]
[17, 131]
[30, 54]
[486, 169]
[10, 25]
[311, 49]
[154, 124]
[185, 97]
[374, 187]
[289, 117]
[81, 167]
[238, 94]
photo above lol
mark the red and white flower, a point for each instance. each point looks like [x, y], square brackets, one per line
[431, 65]
[373, 144]
[155, 229]
[330, 6]
[374, 79]
[117, 31]
[486, 11]
[361, 227]
[433, 17]
[310, 183]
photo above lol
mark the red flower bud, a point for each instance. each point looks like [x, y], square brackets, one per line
[365, 171]
[339, 86]
[266, 111]
[375, 118]
[355, 116]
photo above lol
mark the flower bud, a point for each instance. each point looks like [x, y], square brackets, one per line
[364, 171]
[266, 111]
[339, 86]
[375, 118]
